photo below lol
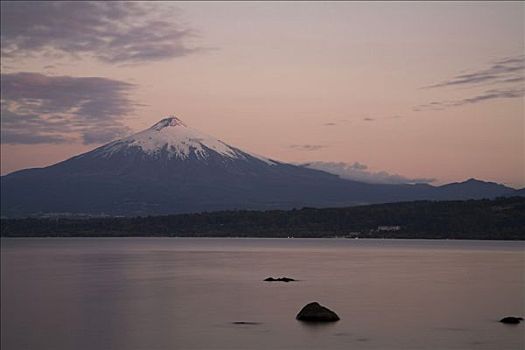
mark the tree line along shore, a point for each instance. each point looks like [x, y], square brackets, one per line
[497, 219]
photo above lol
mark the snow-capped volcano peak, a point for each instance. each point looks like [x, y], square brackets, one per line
[168, 122]
[171, 138]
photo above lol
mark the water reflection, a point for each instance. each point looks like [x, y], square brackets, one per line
[188, 293]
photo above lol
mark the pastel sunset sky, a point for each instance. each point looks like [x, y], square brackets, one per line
[423, 90]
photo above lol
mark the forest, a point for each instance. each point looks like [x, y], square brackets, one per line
[497, 219]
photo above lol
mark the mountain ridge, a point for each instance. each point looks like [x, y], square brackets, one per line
[170, 168]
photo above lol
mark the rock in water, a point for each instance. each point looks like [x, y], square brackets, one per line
[314, 312]
[511, 320]
[282, 279]
[246, 323]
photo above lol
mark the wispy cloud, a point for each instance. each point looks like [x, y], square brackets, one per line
[36, 108]
[359, 172]
[502, 79]
[364, 119]
[110, 31]
[506, 70]
[308, 147]
[485, 96]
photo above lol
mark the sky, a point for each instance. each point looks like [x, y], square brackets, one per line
[392, 92]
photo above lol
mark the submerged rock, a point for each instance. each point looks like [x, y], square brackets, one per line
[246, 322]
[511, 320]
[314, 312]
[282, 279]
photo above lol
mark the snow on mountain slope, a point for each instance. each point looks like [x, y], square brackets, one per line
[178, 140]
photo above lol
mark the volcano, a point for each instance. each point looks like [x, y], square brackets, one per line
[172, 168]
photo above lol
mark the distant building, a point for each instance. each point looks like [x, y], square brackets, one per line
[388, 228]
[352, 234]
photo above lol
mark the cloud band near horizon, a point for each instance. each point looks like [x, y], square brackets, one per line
[359, 172]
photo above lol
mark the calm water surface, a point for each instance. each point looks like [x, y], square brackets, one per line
[173, 293]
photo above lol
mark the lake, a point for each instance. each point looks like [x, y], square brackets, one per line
[185, 293]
